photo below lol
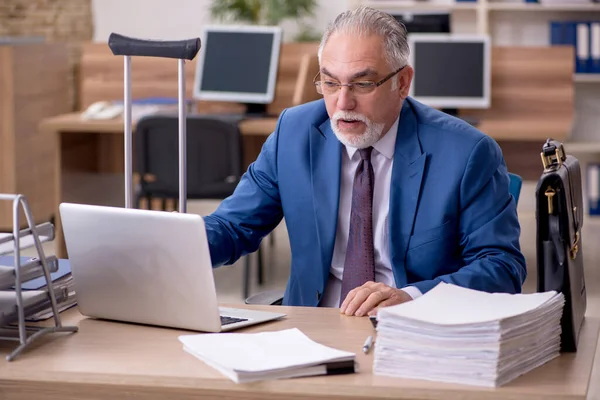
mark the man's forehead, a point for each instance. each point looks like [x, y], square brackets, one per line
[351, 48]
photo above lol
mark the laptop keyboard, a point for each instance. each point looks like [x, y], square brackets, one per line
[231, 320]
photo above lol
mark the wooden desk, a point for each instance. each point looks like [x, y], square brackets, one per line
[72, 122]
[97, 146]
[106, 360]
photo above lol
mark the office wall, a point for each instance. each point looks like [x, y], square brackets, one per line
[178, 19]
[531, 29]
[67, 21]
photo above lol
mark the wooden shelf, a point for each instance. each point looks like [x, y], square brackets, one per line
[542, 7]
[391, 5]
[582, 147]
[589, 78]
[388, 5]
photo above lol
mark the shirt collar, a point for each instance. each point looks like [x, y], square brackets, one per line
[384, 145]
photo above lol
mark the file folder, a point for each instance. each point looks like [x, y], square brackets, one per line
[582, 47]
[595, 47]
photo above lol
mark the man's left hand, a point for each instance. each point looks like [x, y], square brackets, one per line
[365, 299]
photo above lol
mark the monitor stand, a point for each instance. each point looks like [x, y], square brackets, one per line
[256, 110]
[253, 111]
[455, 113]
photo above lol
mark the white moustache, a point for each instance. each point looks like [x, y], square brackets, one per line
[350, 116]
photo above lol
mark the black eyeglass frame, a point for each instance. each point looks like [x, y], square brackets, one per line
[351, 85]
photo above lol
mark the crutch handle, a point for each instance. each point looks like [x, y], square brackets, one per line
[126, 46]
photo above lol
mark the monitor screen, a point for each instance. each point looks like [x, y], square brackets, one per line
[238, 63]
[431, 22]
[451, 71]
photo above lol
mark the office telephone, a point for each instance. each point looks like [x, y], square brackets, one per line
[102, 110]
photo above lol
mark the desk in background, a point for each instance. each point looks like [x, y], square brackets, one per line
[106, 360]
[97, 146]
[102, 140]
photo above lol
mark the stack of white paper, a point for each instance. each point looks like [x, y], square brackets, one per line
[458, 335]
[247, 357]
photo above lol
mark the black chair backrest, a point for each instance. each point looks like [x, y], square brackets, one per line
[214, 156]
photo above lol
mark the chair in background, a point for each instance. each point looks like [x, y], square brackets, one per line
[214, 164]
[515, 184]
[275, 297]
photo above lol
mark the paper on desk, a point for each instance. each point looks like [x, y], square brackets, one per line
[448, 304]
[7, 247]
[459, 335]
[264, 355]
[8, 301]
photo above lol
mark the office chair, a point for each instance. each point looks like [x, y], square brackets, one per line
[275, 297]
[214, 163]
[515, 184]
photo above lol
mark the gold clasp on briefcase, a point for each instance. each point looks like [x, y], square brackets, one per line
[550, 192]
[553, 159]
[575, 246]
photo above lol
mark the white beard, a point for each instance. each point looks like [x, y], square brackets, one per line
[369, 137]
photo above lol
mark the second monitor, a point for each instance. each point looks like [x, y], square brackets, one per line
[451, 71]
[239, 64]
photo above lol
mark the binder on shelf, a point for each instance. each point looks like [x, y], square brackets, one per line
[595, 47]
[570, 33]
[593, 188]
[584, 36]
[557, 33]
[582, 47]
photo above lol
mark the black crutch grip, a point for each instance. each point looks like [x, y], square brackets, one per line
[125, 46]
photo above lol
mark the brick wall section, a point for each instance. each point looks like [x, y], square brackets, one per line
[67, 21]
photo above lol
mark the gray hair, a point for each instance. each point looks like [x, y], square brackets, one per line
[364, 21]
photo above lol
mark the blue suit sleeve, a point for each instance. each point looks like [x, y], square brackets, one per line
[254, 209]
[489, 227]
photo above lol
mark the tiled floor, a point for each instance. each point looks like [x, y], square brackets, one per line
[229, 279]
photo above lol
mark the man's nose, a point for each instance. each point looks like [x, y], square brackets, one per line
[346, 100]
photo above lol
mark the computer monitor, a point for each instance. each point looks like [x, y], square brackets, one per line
[238, 63]
[424, 22]
[451, 71]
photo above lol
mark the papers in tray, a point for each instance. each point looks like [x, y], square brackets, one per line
[36, 301]
[7, 245]
[30, 268]
[459, 335]
[247, 357]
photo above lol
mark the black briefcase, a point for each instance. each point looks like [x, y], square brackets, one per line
[559, 216]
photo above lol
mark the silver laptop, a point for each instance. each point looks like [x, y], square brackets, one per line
[149, 267]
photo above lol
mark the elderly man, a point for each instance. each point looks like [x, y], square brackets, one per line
[383, 197]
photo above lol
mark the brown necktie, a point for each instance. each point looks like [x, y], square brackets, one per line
[359, 265]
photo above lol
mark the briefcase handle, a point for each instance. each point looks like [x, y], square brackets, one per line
[553, 154]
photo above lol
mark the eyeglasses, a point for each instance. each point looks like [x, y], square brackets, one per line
[359, 87]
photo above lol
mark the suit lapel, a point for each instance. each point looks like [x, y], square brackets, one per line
[325, 162]
[407, 175]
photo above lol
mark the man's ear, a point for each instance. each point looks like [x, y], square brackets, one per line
[405, 78]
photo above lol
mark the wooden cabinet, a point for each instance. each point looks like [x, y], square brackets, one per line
[33, 86]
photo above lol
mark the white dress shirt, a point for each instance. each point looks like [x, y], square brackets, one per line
[382, 158]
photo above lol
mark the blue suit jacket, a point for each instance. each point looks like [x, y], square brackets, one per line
[451, 217]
